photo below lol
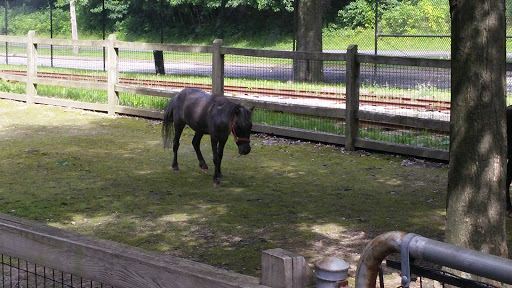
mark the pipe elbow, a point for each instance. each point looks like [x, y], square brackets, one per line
[373, 255]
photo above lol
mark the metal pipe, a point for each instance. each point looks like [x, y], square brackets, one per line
[373, 254]
[462, 259]
[447, 255]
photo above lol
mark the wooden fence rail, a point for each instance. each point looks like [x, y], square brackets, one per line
[352, 115]
[110, 263]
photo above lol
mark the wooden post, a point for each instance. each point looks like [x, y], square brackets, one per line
[31, 67]
[113, 74]
[283, 269]
[217, 68]
[158, 55]
[352, 118]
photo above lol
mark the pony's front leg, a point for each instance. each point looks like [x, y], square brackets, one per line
[196, 142]
[218, 152]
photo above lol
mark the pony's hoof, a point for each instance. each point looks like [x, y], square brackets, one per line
[216, 185]
[205, 170]
[176, 171]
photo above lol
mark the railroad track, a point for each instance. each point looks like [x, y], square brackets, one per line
[337, 97]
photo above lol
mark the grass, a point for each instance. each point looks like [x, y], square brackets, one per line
[420, 138]
[108, 177]
[90, 173]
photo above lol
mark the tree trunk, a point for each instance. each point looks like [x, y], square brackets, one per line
[309, 38]
[74, 30]
[476, 181]
[220, 22]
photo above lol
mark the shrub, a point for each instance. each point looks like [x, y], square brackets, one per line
[426, 17]
[357, 14]
[437, 15]
[401, 19]
[22, 19]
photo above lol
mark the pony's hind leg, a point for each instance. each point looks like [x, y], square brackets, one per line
[178, 129]
[196, 142]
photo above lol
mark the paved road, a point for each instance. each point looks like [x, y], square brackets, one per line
[384, 76]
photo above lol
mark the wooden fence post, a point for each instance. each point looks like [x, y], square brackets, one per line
[113, 74]
[217, 68]
[352, 109]
[31, 67]
[283, 269]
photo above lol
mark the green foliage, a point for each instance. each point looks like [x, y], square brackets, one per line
[396, 17]
[115, 11]
[21, 19]
[437, 15]
[201, 21]
[401, 18]
[12, 87]
[424, 17]
[361, 14]
[357, 14]
[36, 4]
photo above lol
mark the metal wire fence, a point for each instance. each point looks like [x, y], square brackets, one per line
[426, 37]
[17, 273]
[422, 92]
[273, 80]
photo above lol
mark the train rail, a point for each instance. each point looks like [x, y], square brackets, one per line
[335, 96]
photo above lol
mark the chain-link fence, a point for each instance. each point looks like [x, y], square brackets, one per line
[411, 29]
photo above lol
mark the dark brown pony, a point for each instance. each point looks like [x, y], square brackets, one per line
[206, 114]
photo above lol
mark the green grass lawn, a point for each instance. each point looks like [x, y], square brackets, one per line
[90, 173]
[109, 177]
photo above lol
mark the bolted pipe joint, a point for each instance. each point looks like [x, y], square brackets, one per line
[330, 272]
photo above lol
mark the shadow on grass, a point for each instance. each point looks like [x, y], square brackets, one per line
[110, 178]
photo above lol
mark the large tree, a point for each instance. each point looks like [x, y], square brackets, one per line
[476, 180]
[309, 39]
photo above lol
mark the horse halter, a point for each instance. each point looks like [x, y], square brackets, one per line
[234, 133]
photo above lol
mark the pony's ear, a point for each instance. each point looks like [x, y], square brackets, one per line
[238, 109]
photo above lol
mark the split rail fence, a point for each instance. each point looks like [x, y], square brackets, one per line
[351, 115]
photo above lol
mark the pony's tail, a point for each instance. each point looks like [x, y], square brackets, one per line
[167, 126]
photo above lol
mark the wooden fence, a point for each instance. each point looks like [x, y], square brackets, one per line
[351, 115]
[112, 264]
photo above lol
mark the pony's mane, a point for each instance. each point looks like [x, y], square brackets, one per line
[245, 117]
[223, 103]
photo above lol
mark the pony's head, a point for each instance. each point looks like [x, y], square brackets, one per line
[241, 126]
